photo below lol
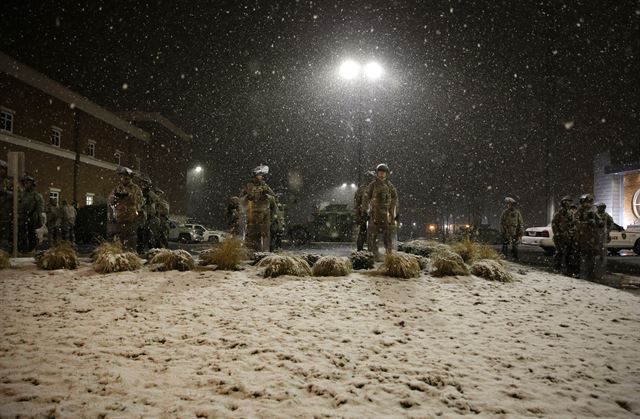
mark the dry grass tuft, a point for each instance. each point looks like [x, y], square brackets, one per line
[492, 270]
[62, 255]
[277, 265]
[447, 263]
[258, 256]
[170, 260]
[472, 251]
[5, 260]
[226, 255]
[400, 265]
[110, 257]
[106, 247]
[422, 247]
[332, 266]
[311, 258]
[362, 260]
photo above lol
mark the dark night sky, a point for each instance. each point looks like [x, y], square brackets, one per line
[474, 95]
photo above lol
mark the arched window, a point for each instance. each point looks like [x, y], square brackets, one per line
[635, 204]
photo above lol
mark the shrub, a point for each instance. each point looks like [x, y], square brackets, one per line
[399, 265]
[311, 258]
[169, 260]
[62, 255]
[422, 247]
[447, 263]
[472, 251]
[362, 260]
[332, 266]
[110, 257]
[277, 265]
[226, 255]
[491, 270]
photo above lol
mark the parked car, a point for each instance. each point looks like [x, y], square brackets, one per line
[206, 234]
[620, 239]
[183, 234]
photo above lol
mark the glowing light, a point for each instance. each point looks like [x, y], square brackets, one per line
[343, 186]
[353, 185]
[349, 70]
[198, 169]
[373, 71]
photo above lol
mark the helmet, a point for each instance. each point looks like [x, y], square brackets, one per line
[158, 191]
[566, 199]
[261, 170]
[144, 178]
[27, 178]
[509, 200]
[3, 163]
[601, 205]
[382, 167]
[124, 171]
[586, 198]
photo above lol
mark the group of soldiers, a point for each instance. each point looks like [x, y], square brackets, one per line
[256, 214]
[137, 214]
[580, 235]
[60, 221]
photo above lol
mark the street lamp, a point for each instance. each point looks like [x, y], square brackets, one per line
[198, 169]
[373, 70]
[349, 70]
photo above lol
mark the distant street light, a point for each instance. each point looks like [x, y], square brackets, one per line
[353, 186]
[349, 70]
[198, 169]
[343, 186]
[373, 71]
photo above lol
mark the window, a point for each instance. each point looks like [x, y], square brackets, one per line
[635, 204]
[118, 156]
[91, 149]
[56, 136]
[6, 120]
[55, 195]
[89, 199]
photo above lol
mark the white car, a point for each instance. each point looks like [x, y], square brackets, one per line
[183, 234]
[206, 234]
[620, 239]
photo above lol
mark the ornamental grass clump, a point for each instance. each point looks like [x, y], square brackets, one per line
[5, 260]
[171, 260]
[278, 265]
[311, 258]
[448, 263]
[332, 266]
[362, 260]
[226, 255]
[399, 265]
[110, 257]
[491, 270]
[61, 255]
[472, 251]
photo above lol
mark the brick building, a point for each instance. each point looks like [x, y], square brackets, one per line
[73, 146]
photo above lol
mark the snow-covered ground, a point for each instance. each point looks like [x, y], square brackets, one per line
[226, 344]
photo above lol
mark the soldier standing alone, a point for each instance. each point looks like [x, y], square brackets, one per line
[564, 230]
[257, 200]
[68, 222]
[511, 226]
[30, 211]
[127, 201]
[381, 198]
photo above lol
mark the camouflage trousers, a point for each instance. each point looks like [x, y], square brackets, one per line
[591, 261]
[362, 234]
[510, 241]
[388, 233]
[127, 233]
[564, 259]
[258, 237]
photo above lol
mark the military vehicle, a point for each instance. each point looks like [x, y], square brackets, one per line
[334, 223]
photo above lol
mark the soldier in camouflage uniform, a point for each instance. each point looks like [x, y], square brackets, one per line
[607, 219]
[233, 216]
[588, 227]
[256, 195]
[360, 211]
[68, 222]
[127, 202]
[30, 209]
[381, 199]
[511, 227]
[564, 231]
[146, 239]
[161, 232]
[54, 222]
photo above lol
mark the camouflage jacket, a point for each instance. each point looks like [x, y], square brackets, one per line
[588, 222]
[128, 202]
[257, 195]
[358, 204]
[511, 223]
[563, 225]
[382, 199]
[31, 207]
[54, 217]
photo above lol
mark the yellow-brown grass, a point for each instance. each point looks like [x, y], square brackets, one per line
[447, 263]
[492, 270]
[332, 266]
[278, 265]
[226, 255]
[5, 260]
[61, 255]
[362, 260]
[110, 257]
[170, 260]
[105, 246]
[422, 247]
[399, 265]
[472, 251]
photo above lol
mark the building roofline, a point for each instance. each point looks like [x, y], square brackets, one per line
[158, 118]
[618, 169]
[41, 82]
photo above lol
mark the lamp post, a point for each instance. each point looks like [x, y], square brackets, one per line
[352, 71]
